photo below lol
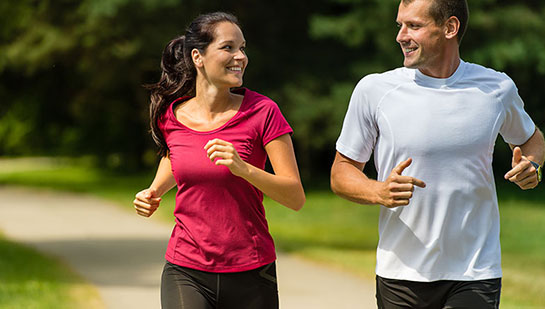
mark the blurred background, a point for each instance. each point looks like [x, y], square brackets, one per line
[74, 114]
[71, 72]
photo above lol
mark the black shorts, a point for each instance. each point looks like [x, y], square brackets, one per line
[444, 294]
[186, 288]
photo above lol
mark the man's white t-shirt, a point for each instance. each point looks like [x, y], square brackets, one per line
[450, 229]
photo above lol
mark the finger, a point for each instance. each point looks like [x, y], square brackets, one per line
[154, 201]
[406, 195]
[517, 155]
[517, 169]
[220, 155]
[407, 179]
[524, 174]
[143, 214]
[402, 166]
[527, 184]
[219, 148]
[215, 141]
[143, 205]
[153, 192]
[398, 203]
[523, 181]
[401, 187]
[224, 162]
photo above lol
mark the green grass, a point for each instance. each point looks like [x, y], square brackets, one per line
[336, 232]
[31, 280]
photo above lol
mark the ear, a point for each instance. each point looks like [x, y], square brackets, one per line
[452, 25]
[197, 58]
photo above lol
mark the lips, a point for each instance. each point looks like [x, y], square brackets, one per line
[408, 50]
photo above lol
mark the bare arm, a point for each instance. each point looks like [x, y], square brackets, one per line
[523, 173]
[147, 201]
[164, 180]
[284, 186]
[348, 181]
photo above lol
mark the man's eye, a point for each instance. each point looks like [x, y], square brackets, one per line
[243, 48]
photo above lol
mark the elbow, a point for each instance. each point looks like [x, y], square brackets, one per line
[298, 200]
[333, 184]
[298, 205]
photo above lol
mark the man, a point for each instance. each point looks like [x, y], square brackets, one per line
[432, 126]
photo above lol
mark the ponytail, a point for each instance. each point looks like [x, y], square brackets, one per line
[177, 79]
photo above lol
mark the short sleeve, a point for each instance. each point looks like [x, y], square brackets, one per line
[275, 124]
[517, 127]
[359, 132]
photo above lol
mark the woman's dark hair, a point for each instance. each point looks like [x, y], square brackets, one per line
[178, 71]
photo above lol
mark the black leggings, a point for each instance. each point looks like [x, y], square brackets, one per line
[187, 288]
[445, 294]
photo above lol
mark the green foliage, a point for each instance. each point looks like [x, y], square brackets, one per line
[71, 71]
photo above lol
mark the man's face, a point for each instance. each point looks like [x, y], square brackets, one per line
[420, 38]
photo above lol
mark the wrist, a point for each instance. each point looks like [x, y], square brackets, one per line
[246, 171]
[539, 170]
[377, 196]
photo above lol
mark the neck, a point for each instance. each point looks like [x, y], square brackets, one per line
[212, 99]
[447, 64]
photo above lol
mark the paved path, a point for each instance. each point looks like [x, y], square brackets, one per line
[122, 253]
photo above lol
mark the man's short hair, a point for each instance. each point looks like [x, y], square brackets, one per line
[441, 10]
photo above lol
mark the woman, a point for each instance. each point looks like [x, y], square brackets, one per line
[214, 139]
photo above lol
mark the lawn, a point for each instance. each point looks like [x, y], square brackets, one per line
[31, 280]
[336, 232]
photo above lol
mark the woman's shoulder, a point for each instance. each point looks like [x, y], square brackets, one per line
[168, 111]
[257, 101]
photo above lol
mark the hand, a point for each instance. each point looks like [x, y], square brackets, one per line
[226, 155]
[523, 173]
[146, 202]
[397, 190]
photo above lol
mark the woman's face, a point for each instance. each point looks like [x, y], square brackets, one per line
[224, 60]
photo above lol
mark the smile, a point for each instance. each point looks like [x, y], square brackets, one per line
[235, 69]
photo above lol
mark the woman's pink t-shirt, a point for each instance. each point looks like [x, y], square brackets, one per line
[220, 218]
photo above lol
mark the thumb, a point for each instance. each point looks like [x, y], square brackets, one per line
[517, 155]
[402, 166]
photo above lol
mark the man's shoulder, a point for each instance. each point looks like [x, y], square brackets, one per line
[481, 74]
[386, 80]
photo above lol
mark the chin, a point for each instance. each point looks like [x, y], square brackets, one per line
[412, 64]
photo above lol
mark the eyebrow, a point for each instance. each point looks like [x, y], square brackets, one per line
[230, 41]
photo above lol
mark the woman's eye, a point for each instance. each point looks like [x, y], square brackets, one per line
[227, 47]
[243, 48]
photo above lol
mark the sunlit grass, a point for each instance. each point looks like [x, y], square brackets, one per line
[31, 280]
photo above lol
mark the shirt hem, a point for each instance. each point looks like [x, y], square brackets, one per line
[440, 276]
[223, 269]
[277, 135]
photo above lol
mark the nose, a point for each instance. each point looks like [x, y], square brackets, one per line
[402, 34]
[240, 55]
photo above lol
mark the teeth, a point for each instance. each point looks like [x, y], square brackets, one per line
[408, 50]
[237, 69]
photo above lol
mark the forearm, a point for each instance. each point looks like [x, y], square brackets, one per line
[286, 190]
[349, 182]
[164, 180]
[534, 148]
